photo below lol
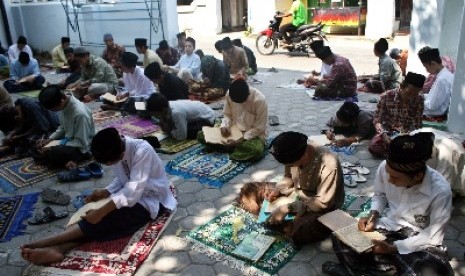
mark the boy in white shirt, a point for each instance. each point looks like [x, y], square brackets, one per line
[140, 191]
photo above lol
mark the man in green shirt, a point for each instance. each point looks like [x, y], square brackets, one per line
[299, 14]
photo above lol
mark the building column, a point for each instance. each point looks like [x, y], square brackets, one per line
[456, 122]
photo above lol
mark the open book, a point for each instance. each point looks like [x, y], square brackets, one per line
[322, 140]
[213, 135]
[52, 143]
[268, 208]
[76, 217]
[253, 246]
[345, 227]
[112, 98]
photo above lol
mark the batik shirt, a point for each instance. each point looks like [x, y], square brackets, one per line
[425, 208]
[392, 115]
[113, 55]
[389, 72]
[342, 76]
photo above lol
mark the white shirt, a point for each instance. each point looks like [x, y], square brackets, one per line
[141, 178]
[187, 111]
[438, 99]
[326, 69]
[426, 208]
[190, 63]
[13, 52]
[137, 84]
[251, 116]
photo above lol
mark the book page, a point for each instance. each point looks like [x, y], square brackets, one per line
[213, 135]
[112, 98]
[52, 143]
[280, 201]
[322, 140]
[337, 219]
[360, 241]
[139, 105]
[254, 246]
[89, 206]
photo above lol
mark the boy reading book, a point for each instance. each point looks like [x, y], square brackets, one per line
[138, 193]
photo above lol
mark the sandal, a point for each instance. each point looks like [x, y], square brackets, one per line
[358, 178]
[77, 174]
[95, 169]
[54, 196]
[349, 182]
[274, 121]
[47, 216]
[80, 200]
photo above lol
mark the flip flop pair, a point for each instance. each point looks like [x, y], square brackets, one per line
[83, 173]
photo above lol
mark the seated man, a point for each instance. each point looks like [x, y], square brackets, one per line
[215, 80]
[234, 57]
[149, 55]
[20, 46]
[181, 47]
[172, 87]
[389, 74]
[311, 81]
[33, 122]
[299, 18]
[168, 54]
[24, 75]
[399, 111]
[246, 108]
[74, 133]
[447, 62]
[60, 62]
[137, 87]
[341, 82]
[138, 194]
[411, 206]
[353, 123]
[315, 175]
[438, 99]
[97, 76]
[188, 66]
[182, 119]
[112, 54]
[251, 60]
[74, 68]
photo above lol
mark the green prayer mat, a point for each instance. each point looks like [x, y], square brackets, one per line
[216, 239]
[171, 145]
[364, 209]
[32, 93]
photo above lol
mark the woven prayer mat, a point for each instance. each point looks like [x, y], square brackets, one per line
[212, 168]
[13, 211]
[8, 157]
[364, 208]
[132, 126]
[31, 94]
[216, 240]
[23, 172]
[117, 257]
[102, 117]
[171, 145]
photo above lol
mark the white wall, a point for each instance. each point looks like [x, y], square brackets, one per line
[380, 19]
[260, 12]
[201, 17]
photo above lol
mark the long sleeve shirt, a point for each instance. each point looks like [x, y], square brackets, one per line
[190, 63]
[389, 72]
[342, 76]
[184, 112]
[141, 178]
[392, 115]
[76, 125]
[113, 54]
[137, 84]
[236, 61]
[58, 57]
[19, 71]
[251, 116]
[150, 56]
[425, 208]
[438, 99]
[13, 52]
[98, 70]
[169, 57]
[173, 88]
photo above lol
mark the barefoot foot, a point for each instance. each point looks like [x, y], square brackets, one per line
[41, 256]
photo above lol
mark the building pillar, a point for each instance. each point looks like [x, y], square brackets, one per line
[380, 19]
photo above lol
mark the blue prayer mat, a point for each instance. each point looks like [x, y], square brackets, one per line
[13, 211]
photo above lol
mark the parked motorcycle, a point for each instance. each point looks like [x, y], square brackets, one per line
[267, 41]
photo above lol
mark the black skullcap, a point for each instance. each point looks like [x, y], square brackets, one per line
[409, 153]
[140, 42]
[348, 112]
[106, 145]
[414, 79]
[324, 52]
[317, 45]
[226, 43]
[65, 39]
[381, 45]
[429, 55]
[80, 51]
[218, 45]
[21, 40]
[129, 59]
[239, 91]
[68, 50]
[24, 58]
[163, 45]
[288, 147]
[237, 42]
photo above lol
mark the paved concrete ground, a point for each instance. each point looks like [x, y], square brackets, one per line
[199, 203]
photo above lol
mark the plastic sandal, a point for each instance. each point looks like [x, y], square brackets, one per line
[47, 216]
[95, 169]
[73, 175]
[54, 196]
[358, 178]
[349, 182]
[347, 165]
[274, 121]
[80, 200]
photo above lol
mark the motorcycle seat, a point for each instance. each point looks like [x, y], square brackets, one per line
[306, 26]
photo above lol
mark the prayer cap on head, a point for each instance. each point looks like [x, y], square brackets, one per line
[324, 52]
[226, 43]
[65, 39]
[107, 36]
[288, 147]
[317, 45]
[140, 42]
[409, 153]
[382, 45]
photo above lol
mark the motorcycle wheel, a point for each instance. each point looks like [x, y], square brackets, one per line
[265, 45]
